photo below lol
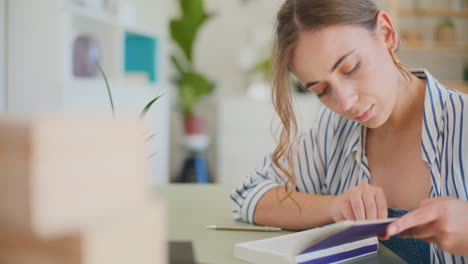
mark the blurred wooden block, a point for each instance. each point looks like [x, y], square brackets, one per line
[137, 237]
[62, 175]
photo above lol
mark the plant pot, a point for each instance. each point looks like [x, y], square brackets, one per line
[412, 37]
[445, 34]
[194, 124]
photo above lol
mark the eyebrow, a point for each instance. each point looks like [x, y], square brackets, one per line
[338, 62]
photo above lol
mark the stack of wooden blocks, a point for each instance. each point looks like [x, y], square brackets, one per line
[77, 192]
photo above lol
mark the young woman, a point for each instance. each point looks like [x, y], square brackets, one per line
[389, 140]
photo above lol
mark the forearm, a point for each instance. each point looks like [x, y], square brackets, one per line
[298, 212]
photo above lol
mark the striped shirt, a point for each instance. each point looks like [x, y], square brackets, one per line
[330, 158]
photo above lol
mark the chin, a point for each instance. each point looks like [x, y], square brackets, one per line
[370, 124]
[374, 122]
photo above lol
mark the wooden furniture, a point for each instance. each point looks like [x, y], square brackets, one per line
[76, 191]
[397, 12]
[60, 175]
[459, 86]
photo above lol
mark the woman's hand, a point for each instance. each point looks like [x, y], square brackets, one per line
[361, 202]
[441, 220]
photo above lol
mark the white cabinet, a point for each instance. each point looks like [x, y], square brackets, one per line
[40, 39]
[245, 131]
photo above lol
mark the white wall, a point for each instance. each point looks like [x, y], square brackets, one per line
[222, 39]
[3, 21]
[217, 53]
[39, 69]
[32, 57]
[245, 134]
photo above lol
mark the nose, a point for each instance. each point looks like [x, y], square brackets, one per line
[346, 97]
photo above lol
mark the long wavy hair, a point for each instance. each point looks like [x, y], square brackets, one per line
[293, 18]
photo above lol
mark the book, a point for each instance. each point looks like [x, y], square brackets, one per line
[332, 243]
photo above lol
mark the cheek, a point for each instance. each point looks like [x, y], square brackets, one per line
[330, 103]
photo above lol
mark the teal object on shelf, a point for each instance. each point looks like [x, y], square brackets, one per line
[140, 55]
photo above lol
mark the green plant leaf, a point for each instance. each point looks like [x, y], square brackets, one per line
[262, 67]
[150, 137]
[193, 9]
[192, 87]
[177, 64]
[447, 22]
[103, 74]
[184, 30]
[148, 106]
[183, 34]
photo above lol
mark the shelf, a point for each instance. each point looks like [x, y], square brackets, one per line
[435, 12]
[457, 85]
[91, 14]
[434, 46]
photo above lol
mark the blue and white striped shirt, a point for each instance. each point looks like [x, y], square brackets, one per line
[330, 158]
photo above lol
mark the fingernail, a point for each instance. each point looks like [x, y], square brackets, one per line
[391, 230]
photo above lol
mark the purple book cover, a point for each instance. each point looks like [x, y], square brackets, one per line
[342, 255]
[349, 234]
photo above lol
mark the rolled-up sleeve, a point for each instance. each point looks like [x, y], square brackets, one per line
[308, 172]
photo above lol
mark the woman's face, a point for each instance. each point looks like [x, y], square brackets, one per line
[350, 70]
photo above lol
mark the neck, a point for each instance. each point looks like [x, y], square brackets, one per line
[408, 109]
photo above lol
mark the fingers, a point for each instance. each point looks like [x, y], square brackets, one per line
[417, 217]
[370, 205]
[429, 201]
[362, 202]
[384, 237]
[357, 205]
[425, 231]
[430, 240]
[348, 211]
[368, 202]
[381, 204]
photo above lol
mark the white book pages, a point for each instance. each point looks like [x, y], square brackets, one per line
[283, 249]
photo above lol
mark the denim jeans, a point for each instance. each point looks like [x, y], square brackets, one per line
[409, 249]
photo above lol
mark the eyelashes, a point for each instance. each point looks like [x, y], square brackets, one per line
[354, 69]
[325, 91]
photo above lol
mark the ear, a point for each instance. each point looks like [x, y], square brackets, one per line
[386, 31]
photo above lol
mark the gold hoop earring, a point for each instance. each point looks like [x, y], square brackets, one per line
[395, 58]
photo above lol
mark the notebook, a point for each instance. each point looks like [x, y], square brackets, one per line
[332, 243]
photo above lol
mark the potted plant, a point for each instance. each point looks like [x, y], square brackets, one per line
[445, 31]
[191, 84]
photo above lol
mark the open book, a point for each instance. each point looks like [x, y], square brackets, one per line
[332, 243]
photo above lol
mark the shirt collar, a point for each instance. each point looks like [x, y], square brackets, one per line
[434, 105]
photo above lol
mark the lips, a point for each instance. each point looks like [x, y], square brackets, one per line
[366, 115]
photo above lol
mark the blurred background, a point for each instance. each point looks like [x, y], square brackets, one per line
[207, 58]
